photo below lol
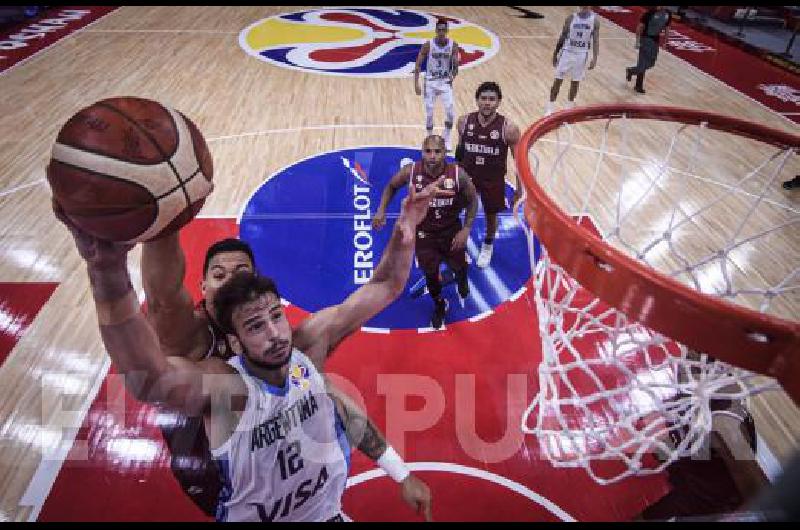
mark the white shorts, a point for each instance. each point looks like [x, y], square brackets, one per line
[435, 89]
[572, 64]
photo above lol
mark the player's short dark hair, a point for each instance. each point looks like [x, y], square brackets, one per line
[441, 22]
[230, 244]
[489, 86]
[439, 140]
[241, 288]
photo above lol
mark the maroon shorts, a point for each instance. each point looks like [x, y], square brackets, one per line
[493, 193]
[434, 248]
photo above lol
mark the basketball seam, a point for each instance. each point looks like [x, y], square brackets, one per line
[167, 157]
[172, 190]
[114, 177]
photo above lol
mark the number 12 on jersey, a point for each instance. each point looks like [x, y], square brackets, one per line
[289, 460]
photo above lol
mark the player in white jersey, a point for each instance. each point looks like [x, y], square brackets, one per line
[581, 33]
[275, 425]
[440, 70]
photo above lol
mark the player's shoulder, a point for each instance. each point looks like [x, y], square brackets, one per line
[216, 365]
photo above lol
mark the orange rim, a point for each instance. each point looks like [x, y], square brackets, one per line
[737, 335]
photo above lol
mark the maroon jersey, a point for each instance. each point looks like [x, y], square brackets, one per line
[443, 211]
[485, 148]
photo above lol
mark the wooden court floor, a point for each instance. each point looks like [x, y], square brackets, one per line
[258, 118]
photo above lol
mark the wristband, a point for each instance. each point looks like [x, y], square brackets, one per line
[394, 466]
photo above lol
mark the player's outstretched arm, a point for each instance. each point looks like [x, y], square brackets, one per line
[399, 180]
[129, 339]
[363, 434]
[169, 305]
[321, 332]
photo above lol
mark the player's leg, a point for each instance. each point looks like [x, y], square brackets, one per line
[577, 72]
[449, 114]
[429, 98]
[429, 259]
[562, 66]
[641, 62]
[494, 201]
[648, 51]
[457, 262]
[553, 95]
[573, 91]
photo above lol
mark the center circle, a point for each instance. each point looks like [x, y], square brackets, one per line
[310, 227]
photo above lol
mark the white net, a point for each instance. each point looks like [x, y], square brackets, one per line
[615, 397]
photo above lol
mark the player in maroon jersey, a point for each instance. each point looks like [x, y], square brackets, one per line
[485, 139]
[440, 235]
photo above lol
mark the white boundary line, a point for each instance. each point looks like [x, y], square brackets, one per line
[59, 41]
[47, 472]
[668, 50]
[404, 126]
[382, 331]
[458, 469]
[21, 187]
[212, 31]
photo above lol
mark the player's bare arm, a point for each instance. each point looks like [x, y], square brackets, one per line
[397, 181]
[468, 190]
[455, 61]
[363, 434]
[561, 39]
[169, 305]
[130, 340]
[461, 124]
[423, 52]
[595, 43]
[512, 135]
[318, 335]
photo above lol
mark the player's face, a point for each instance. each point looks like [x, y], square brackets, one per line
[488, 102]
[264, 332]
[441, 32]
[433, 156]
[585, 10]
[221, 268]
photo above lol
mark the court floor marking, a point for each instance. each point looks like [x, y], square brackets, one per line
[458, 469]
[46, 473]
[723, 83]
[265, 132]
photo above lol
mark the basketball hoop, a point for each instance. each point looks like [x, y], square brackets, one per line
[649, 319]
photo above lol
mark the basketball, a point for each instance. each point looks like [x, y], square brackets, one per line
[130, 170]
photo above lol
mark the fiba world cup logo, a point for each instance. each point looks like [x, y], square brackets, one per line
[360, 42]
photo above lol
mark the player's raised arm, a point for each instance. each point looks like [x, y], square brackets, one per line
[169, 305]
[325, 329]
[129, 339]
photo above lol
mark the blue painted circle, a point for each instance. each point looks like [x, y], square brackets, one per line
[310, 228]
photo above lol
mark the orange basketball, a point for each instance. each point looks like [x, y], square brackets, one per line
[129, 169]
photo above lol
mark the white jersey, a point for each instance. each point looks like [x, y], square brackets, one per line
[440, 61]
[579, 38]
[288, 458]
